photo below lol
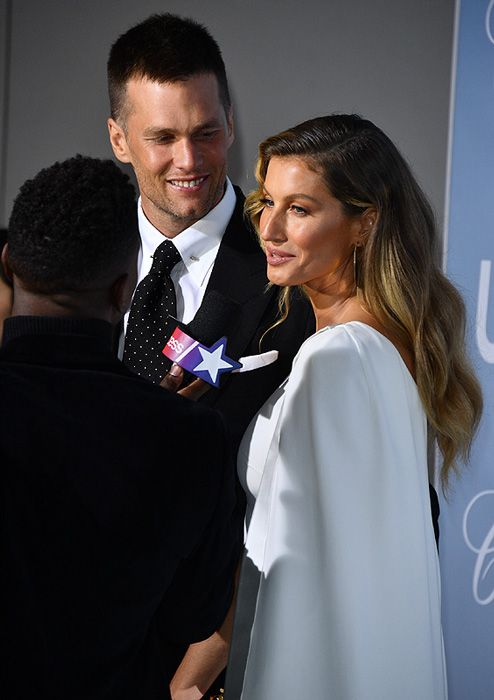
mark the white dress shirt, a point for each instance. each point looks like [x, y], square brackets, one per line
[198, 246]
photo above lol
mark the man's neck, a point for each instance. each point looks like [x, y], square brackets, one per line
[167, 225]
[64, 305]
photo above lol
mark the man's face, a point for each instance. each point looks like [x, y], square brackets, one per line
[176, 136]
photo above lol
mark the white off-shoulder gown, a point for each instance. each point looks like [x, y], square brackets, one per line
[339, 527]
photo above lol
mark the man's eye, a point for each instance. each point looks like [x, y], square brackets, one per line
[207, 135]
[165, 138]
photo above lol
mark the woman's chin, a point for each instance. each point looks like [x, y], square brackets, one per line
[275, 276]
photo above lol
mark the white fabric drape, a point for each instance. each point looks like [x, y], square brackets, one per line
[348, 606]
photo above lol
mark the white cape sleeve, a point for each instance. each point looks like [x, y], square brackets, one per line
[349, 602]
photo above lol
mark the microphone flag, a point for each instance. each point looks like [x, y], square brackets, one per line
[207, 363]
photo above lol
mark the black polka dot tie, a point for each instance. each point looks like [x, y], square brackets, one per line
[148, 327]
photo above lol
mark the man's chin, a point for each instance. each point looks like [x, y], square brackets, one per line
[187, 215]
[187, 218]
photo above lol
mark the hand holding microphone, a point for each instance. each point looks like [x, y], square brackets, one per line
[173, 380]
[195, 347]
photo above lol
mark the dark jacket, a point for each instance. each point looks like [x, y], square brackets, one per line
[119, 533]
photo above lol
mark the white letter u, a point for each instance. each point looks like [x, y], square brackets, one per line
[486, 347]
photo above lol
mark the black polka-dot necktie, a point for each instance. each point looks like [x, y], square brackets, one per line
[148, 327]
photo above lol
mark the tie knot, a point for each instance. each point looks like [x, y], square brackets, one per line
[165, 257]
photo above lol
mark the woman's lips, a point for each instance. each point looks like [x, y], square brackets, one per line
[277, 257]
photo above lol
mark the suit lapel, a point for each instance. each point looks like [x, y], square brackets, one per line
[239, 273]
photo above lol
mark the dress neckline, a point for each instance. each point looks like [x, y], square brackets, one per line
[367, 326]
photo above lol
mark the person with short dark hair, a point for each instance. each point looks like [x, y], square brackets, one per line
[81, 211]
[164, 48]
[118, 497]
[172, 120]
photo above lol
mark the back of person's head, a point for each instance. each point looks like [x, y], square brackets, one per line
[397, 268]
[164, 48]
[73, 227]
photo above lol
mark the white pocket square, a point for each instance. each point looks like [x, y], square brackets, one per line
[256, 361]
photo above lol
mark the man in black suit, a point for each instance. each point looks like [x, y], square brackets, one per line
[171, 119]
[118, 540]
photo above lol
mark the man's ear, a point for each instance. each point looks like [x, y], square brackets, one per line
[118, 141]
[230, 130]
[121, 295]
[7, 272]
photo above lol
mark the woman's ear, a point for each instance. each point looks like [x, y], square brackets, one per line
[367, 221]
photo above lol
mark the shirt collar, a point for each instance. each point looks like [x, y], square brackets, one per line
[197, 244]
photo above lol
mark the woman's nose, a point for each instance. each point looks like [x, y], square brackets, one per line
[270, 226]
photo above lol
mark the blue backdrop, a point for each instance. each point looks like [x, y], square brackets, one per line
[467, 520]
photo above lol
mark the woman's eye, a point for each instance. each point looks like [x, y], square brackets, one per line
[266, 202]
[298, 210]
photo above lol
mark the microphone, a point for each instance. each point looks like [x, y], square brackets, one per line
[195, 346]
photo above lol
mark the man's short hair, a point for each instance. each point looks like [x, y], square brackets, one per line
[164, 48]
[73, 226]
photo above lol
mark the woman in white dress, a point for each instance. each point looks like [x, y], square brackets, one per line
[335, 464]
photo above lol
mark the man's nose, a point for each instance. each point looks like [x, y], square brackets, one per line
[187, 156]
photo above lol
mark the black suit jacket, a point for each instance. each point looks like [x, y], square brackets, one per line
[119, 531]
[239, 272]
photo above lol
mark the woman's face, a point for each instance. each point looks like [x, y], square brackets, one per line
[307, 237]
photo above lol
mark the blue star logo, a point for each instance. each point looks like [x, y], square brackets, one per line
[214, 362]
